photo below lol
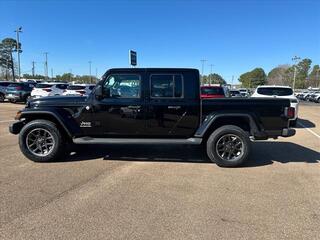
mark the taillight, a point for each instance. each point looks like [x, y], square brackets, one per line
[47, 89]
[289, 112]
[81, 92]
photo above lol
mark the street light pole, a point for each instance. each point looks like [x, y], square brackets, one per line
[202, 61]
[90, 71]
[19, 30]
[46, 65]
[295, 59]
[33, 70]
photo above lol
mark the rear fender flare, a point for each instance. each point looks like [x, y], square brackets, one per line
[212, 118]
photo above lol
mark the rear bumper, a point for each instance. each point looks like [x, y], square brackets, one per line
[16, 127]
[288, 132]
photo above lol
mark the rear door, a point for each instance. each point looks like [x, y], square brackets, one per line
[168, 113]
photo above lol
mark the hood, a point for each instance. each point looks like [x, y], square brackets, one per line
[58, 101]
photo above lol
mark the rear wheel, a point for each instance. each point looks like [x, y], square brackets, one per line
[293, 123]
[2, 97]
[228, 146]
[41, 141]
[12, 100]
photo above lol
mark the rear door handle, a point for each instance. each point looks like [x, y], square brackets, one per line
[174, 107]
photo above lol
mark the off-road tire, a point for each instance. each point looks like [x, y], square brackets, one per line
[58, 148]
[218, 135]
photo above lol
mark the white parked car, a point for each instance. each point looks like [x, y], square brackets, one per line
[79, 90]
[48, 89]
[286, 92]
[244, 92]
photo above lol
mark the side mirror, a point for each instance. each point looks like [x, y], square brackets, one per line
[98, 92]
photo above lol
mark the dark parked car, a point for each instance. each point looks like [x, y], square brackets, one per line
[163, 106]
[3, 87]
[18, 92]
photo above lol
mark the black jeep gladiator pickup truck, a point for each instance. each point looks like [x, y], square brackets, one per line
[155, 106]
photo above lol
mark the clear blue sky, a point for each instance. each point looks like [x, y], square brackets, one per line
[235, 36]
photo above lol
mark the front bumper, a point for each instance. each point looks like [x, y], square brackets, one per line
[288, 132]
[16, 127]
[13, 97]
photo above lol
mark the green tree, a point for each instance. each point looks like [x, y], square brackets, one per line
[215, 79]
[302, 71]
[314, 77]
[253, 78]
[7, 46]
[36, 76]
[278, 75]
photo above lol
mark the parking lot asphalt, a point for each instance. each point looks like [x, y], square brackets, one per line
[163, 192]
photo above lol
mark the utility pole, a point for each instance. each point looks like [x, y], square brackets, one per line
[19, 30]
[51, 73]
[46, 65]
[90, 71]
[232, 80]
[33, 62]
[96, 74]
[203, 62]
[295, 59]
[211, 66]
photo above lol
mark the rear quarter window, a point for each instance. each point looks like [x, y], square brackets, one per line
[212, 90]
[275, 91]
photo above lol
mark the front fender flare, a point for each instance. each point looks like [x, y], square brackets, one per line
[53, 114]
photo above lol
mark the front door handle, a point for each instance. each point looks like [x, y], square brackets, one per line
[174, 107]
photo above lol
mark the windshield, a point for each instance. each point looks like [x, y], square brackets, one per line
[42, 85]
[76, 87]
[275, 91]
[212, 90]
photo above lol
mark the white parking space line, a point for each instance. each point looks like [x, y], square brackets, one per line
[7, 121]
[308, 129]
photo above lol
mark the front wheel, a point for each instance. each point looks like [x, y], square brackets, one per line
[228, 146]
[41, 141]
[2, 97]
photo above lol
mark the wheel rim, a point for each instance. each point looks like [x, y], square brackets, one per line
[40, 142]
[230, 147]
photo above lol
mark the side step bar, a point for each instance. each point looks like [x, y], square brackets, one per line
[90, 140]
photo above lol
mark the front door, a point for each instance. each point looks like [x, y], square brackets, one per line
[121, 112]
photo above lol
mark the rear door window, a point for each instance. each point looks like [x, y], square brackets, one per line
[166, 86]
